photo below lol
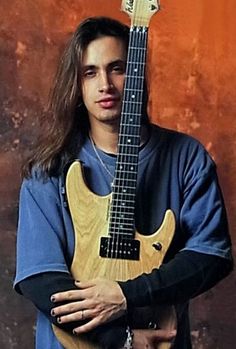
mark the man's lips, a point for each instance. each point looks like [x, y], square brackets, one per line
[107, 103]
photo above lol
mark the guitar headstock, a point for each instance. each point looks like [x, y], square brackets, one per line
[140, 11]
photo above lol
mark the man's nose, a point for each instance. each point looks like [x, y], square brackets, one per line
[105, 83]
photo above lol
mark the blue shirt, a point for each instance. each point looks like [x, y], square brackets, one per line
[175, 172]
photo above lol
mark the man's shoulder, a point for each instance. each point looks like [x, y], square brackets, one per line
[174, 137]
[39, 182]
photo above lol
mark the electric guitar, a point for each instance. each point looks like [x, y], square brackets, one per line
[106, 243]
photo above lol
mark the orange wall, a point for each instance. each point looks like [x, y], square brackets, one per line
[192, 49]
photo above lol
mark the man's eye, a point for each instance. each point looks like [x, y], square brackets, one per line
[89, 73]
[118, 69]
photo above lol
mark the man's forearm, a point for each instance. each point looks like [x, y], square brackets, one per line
[39, 289]
[186, 276]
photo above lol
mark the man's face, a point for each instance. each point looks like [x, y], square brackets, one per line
[103, 74]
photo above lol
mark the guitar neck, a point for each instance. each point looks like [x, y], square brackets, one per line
[130, 126]
[124, 185]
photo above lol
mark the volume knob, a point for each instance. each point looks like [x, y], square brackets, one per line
[157, 246]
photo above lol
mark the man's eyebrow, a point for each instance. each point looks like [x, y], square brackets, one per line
[112, 63]
[89, 66]
[118, 61]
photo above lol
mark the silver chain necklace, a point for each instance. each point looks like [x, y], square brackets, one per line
[99, 157]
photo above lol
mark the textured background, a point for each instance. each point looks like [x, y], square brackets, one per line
[192, 51]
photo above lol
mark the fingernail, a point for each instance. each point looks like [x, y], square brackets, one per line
[59, 320]
[74, 332]
[53, 313]
[53, 299]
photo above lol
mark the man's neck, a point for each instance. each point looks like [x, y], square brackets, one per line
[106, 138]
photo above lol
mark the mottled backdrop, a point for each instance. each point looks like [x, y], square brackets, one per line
[192, 50]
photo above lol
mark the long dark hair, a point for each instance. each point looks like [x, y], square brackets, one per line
[66, 124]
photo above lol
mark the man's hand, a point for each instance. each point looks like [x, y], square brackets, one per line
[148, 339]
[99, 299]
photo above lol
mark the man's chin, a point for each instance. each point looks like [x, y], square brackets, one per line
[110, 118]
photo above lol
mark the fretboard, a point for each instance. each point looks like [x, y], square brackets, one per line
[125, 181]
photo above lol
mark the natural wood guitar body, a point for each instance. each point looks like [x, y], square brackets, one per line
[90, 216]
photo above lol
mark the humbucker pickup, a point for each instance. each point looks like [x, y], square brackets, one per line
[119, 248]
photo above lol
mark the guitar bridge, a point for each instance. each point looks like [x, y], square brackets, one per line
[119, 248]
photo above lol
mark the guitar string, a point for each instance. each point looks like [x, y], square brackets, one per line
[113, 246]
[119, 209]
[139, 38]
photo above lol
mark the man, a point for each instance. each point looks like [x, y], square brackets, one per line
[174, 172]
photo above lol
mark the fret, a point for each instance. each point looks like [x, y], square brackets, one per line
[138, 77]
[125, 134]
[135, 72]
[128, 128]
[131, 89]
[124, 192]
[132, 97]
[129, 145]
[123, 217]
[122, 224]
[126, 180]
[140, 48]
[119, 205]
[128, 138]
[117, 233]
[129, 155]
[123, 208]
[134, 89]
[130, 114]
[127, 171]
[131, 191]
[121, 233]
[123, 203]
[126, 203]
[127, 167]
[127, 158]
[132, 102]
[135, 64]
[130, 124]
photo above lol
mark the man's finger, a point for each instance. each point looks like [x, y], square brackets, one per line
[69, 308]
[87, 327]
[164, 335]
[67, 296]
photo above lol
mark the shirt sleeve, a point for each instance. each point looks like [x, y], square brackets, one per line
[186, 276]
[41, 237]
[203, 216]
